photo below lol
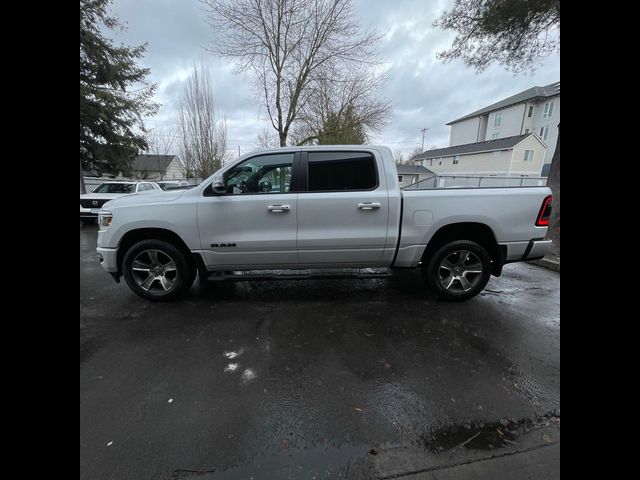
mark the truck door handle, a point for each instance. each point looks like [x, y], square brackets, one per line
[279, 208]
[369, 206]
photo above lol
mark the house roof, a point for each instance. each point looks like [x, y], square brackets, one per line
[546, 91]
[506, 143]
[156, 163]
[413, 170]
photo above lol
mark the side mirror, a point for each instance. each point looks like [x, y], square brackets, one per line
[218, 187]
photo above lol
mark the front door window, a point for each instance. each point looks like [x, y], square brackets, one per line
[263, 174]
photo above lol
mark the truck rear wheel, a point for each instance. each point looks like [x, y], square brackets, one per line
[157, 270]
[458, 270]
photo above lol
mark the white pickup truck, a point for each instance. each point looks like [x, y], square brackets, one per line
[314, 208]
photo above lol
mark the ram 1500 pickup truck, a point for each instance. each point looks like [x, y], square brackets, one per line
[314, 208]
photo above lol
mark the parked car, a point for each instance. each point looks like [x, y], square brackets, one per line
[337, 206]
[171, 184]
[90, 203]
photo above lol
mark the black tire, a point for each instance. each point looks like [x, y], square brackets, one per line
[88, 221]
[185, 271]
[435, 271]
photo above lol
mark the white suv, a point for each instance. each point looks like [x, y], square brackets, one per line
[90, 203]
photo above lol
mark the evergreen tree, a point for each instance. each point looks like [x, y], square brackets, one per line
[114, 96]
[516, 33]
[345, 129]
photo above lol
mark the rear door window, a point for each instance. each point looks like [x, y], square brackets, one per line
[340, 171]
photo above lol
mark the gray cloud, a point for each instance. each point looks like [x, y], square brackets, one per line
[424, 91]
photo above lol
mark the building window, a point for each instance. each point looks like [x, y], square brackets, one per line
[548, 110]
[431, 162]
[544, 133]
[400, 178]
[526, 130]
[456, 159]
[494, 136]
[498, 119]
[528, 155]
[530, 111]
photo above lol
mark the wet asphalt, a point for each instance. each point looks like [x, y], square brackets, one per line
[292, 379]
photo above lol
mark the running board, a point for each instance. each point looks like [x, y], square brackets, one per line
[263, 275]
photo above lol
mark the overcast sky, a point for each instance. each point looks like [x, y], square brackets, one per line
[424, 91]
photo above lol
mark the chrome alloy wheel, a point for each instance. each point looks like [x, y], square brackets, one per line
[154, 271]
[460, 271]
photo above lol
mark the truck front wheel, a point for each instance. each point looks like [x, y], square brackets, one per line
[458, 270]
[157, 270]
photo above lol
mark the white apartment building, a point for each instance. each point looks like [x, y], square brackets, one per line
[516, 156]
[536, 110]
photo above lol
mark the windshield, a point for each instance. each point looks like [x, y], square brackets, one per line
[116, 188]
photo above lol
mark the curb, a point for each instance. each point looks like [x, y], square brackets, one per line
[548, 263]
[536, 452]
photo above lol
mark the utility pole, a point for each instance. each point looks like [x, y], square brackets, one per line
[423, 130]
[238, 150]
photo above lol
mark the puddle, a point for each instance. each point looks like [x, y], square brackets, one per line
[484, 436]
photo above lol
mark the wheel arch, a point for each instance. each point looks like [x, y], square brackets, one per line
[475, 231]
[134, 236]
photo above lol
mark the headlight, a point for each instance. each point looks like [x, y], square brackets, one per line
[104, 218]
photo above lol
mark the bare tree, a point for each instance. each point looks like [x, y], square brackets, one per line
[267, 139]
[161, 142]
[398, 157]
[203, 136]
[415, 152]
[289, 45]
[344, 109]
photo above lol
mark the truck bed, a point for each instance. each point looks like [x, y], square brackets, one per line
[510, 213]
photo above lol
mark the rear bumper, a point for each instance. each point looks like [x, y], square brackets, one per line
[531, 250]
[536, 249]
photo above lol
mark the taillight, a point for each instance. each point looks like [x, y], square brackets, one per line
[545, 213]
